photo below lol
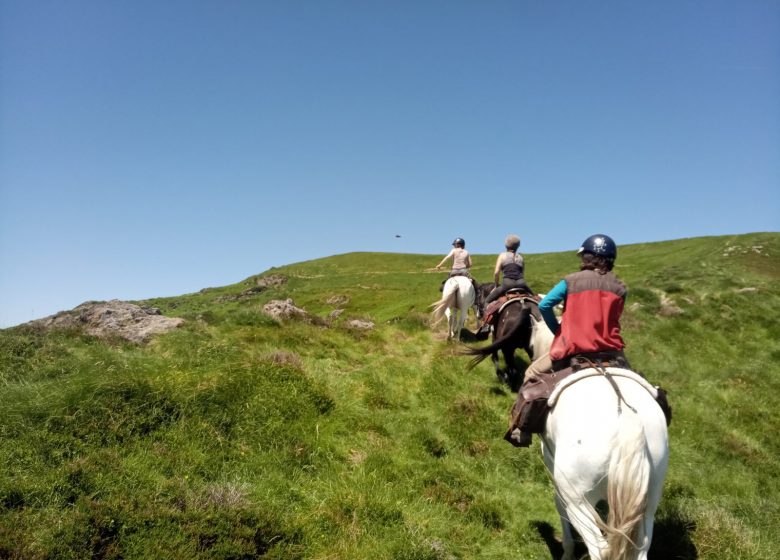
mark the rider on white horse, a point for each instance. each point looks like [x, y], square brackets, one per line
[461, 260]
[590, 325]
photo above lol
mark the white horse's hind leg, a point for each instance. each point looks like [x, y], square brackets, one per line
[578, 515]
[567, 538]
[463, 314]
[645, 535]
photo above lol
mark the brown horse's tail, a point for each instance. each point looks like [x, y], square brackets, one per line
[482, 353]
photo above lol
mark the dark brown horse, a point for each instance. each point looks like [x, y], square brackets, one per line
[518, 325]
[483, 290]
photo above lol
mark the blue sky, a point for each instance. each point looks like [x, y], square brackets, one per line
[156, 148]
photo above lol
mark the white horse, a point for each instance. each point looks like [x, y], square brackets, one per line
[606, 441]
[456, 298]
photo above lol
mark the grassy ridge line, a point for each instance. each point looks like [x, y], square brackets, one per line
[238, 437]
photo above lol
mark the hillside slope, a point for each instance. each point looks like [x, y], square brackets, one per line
[238, 436]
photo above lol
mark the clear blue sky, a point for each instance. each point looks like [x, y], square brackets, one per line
[155, 148]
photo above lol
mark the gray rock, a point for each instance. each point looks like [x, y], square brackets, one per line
[285, 309]
[115, 318]
[360, 324]
[271, 281]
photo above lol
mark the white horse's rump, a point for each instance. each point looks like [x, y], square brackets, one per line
[600, 446]
[457, 296]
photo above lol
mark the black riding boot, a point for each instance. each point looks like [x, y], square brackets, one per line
[519, 438]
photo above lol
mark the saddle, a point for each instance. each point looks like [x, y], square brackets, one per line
[539, 394]
[494, 308]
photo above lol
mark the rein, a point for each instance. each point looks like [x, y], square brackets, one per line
[603, 371]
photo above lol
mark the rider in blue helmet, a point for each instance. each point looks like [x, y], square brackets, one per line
[600, 245]
[590, 326]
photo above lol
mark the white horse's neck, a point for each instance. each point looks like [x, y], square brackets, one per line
[541, 338]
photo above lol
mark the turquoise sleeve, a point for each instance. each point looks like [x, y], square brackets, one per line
[553, 298]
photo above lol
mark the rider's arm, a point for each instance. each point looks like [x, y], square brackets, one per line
[444, 260]
[553, 298]
[468, 260]
[497, 271]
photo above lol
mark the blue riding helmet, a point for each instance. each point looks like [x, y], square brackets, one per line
[459, 242]
[601, 245]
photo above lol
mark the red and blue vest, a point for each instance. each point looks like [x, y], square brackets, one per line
[591, 319]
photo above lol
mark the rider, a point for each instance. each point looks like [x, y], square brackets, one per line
[594, 303]
[590, 327]
[511, 265]
[461, 260]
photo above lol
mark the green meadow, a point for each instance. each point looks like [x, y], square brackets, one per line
[238, 436]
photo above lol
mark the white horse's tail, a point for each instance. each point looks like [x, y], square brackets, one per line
[627, 489]
[449, 298]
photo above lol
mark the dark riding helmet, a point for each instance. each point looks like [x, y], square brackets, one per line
[459, 242]
[601, 245]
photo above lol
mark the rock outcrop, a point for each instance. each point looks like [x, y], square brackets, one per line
[261, 285]
[271, 281]
[360, 324]
[115, 318]
[282, 309]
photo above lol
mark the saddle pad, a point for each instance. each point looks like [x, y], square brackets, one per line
[590, 372]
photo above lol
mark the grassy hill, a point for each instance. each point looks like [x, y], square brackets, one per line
[237, 436]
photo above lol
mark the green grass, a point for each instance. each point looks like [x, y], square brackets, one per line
[238, 436]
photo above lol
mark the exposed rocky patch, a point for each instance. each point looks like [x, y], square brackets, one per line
[261, 284]
[360, 324]
[115, 318]
[246, 294]
[338, 300]
[740, 250]
[668, 306]
[748, 290]
[285, 309]
[271, 281]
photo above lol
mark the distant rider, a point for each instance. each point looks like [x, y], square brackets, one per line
[511, 265]
[461, 260]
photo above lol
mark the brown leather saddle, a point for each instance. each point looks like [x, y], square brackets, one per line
[515, 295]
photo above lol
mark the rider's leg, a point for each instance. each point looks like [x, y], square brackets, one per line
[497, 292]
[494, 294]
[516, 435]
[542, 364]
